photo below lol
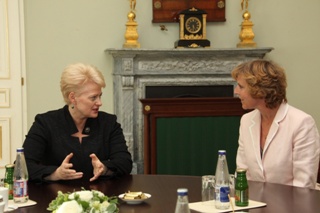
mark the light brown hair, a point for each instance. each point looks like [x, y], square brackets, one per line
[266, 80]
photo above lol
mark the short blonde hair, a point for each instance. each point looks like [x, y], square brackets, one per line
[75, 75]
[266, 80]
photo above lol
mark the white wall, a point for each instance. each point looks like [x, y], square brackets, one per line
[61, 32]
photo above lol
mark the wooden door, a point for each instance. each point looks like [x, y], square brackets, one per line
[12, 88]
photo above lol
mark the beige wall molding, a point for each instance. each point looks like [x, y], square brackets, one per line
[4, 138]
[4, 98]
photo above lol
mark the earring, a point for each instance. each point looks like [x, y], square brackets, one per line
[72, 106]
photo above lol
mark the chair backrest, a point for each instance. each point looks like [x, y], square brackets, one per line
[182, 136]
[189, 145]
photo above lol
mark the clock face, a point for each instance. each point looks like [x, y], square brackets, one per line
[193, 25]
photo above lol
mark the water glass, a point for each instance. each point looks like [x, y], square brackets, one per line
[208, 184]
[2, 204]
[231, 184]
[4, 193]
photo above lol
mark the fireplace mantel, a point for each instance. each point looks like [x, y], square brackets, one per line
[136, 69]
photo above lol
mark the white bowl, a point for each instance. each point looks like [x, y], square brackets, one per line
[134, 201]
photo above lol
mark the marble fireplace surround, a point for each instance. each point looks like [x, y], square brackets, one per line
[136, 69]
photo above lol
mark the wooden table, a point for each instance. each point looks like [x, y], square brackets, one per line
[279, 198]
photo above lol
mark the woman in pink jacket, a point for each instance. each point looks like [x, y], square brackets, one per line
[278, 143]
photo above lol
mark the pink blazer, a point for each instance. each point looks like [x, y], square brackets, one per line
[292, 149]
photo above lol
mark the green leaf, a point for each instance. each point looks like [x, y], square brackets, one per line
[112, 208]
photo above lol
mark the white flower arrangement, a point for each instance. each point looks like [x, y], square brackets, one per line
[84, 201]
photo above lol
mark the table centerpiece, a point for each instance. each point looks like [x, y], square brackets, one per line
[84, 201]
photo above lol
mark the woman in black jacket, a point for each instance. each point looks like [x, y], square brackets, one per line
[77, 141]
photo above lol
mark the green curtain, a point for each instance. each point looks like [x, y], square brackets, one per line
[189, 145]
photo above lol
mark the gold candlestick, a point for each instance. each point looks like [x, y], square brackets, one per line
[246, 34]
[131, 34]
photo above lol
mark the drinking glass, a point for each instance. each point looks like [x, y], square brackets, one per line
[231, 184]
[208, 184]
[4, 193]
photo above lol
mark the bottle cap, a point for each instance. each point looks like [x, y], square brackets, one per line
[222, 152]
[182, 191]
[240, 170]
[20, 149]
[8, 166]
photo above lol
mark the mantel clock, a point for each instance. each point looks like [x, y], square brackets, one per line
[192, 24]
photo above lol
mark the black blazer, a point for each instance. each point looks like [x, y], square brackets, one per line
[49, 141]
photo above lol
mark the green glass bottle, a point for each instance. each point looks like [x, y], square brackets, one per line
[8, 180]
[241, 188]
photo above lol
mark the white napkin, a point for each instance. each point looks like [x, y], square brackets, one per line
[208, 206]
[12, 205]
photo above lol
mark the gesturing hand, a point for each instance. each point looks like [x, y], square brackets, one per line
[64, 171]
[98, 167]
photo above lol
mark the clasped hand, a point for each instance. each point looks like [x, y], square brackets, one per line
[65, 171]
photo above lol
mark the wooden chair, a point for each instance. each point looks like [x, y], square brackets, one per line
[182, 136]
